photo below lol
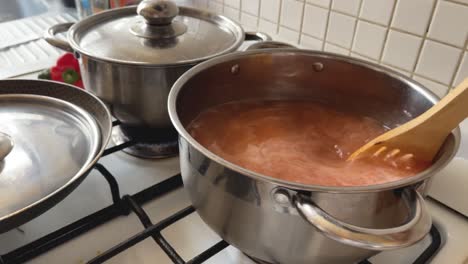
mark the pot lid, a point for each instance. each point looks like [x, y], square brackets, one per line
[44, 142]
[155, 33]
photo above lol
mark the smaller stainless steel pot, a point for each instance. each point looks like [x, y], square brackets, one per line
[130, 58]
[285, 222]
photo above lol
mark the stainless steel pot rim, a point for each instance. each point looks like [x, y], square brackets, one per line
[440, 163]
[72, 33]
[104, 141]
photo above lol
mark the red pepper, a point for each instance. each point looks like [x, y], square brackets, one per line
[67, 70]
[68, 61]
[56, 74]
[70, 76]
[79, 83]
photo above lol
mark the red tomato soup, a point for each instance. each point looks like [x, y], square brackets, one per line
[298, 141]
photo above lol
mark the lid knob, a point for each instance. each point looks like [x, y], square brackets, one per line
[6, 145]
[158, 13]
[158, 21]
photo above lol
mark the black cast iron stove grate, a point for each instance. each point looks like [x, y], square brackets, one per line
[126, 204]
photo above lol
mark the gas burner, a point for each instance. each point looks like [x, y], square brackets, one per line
[145, 147]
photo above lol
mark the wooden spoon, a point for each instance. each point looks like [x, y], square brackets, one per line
[423, 136]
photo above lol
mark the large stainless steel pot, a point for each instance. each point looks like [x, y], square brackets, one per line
[130, 58]
[285, 222]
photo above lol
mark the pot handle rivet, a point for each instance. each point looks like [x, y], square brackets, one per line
[235, 69]
[281, 196]
[318, 66]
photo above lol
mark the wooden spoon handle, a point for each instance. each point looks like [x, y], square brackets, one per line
[450, 110]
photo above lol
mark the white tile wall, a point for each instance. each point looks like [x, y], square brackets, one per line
[450, 23]
[323, 3]
[315, 44]
[335, 49]
[233, 3]
[369, 39]
[356, 55]
[424, 39]
[399, 70]
[315, 21]
[341, 29]
[401, 50]
[437, 88]
[248, 21]
[378, 11]
[438, 61]
[251, 6]
[267, 26]
[270, 10]
[291, 14]
[232, 13]
[288, 35]
[405, 18]
[350, 7]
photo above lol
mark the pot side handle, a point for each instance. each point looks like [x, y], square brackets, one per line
[368, 238]
[259, 36]
[50, 37]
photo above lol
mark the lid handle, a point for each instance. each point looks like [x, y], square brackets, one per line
[6, 145]
[158, 13]
[159, 23]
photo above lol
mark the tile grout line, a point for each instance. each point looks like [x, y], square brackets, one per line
[222, 6]
[355, 27]
[301, 25]
[427, 37]
[387, 32]
[394, 29]
[278, 24]
[387, 28]
[258, 14]
[424, 37]
[457, 68]
[389, 25]
[456, 2]
[317, 5]
[466, 47]
[430, 79]
[353, 51]
[240, 11]
[326, 26]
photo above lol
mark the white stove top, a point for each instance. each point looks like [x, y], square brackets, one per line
[190, 236]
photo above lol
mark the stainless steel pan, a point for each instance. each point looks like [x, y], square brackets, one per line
[57, 132]
[285, 222]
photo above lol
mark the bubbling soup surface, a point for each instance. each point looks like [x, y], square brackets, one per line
[298, 141]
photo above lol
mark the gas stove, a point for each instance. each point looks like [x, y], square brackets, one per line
[132, 210]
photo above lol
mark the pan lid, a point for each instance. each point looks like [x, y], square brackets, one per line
[156, 33]
[44, 143]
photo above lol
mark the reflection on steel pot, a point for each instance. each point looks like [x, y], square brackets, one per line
[285, 222]
[53, 133]
[131, 60]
